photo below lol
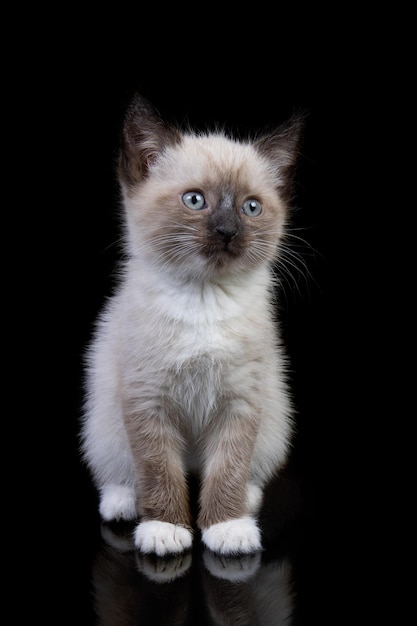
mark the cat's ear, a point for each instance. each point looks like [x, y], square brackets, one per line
[282, 148]
[144, 137]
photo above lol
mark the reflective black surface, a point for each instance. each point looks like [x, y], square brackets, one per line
[197, 587]
[113, 584]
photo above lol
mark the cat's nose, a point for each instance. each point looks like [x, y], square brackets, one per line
[226, 232]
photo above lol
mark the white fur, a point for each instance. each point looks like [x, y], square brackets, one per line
[162, 538]
[254, 496]
[237, 536]
[117, 502]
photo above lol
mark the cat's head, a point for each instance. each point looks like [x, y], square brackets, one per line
[204, 204]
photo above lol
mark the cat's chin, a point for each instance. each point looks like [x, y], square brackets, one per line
[233, 537]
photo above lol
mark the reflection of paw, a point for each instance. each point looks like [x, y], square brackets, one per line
[232, 568]
[117, 502]
[163, 570]
[119, 539]
[237, 536]
[162, 538]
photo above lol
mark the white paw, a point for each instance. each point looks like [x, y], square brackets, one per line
[117, 502]
[236, 536]
[163, 570]
[162, 538]
[232, 568]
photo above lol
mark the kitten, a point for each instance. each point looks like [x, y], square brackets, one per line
[186, 372]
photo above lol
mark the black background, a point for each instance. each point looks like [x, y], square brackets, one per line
[250, 81]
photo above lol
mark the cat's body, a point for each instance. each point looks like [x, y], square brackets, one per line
[185, 371]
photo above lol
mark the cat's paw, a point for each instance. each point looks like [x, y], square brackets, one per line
[236, 536]
[162, 538]
[117, 502]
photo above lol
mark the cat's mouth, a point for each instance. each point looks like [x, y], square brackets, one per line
[221, 253]
[228, 240]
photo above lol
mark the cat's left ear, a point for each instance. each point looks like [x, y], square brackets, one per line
[282, 148]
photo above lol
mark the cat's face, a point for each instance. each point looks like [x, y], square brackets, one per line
[203, 205]
[207, 205]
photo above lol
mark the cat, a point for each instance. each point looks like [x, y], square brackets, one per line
[185, 372]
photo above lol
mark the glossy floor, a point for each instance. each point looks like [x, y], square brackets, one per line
[113, 585]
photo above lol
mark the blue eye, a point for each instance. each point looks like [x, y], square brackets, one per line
[194, 200]
[252, 207]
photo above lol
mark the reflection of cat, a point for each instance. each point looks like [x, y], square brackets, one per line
[131, 588]
[186, 372]
[235, 596]
[124, 596]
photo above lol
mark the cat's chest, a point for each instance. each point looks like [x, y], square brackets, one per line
[182, 325]
[179, 340]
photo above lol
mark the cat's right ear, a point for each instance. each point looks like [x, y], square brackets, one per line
[144, 137]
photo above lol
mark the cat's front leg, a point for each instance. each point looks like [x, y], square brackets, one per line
[227, 508]
[165, 527]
